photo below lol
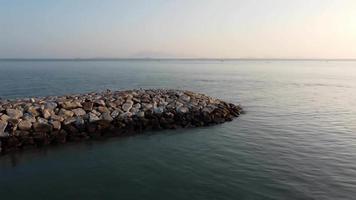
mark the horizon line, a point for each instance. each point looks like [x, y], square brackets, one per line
[171, 58]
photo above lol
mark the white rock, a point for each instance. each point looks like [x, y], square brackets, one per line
[182, 109]
[127, 106]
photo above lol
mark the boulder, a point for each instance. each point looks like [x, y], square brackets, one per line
[79, 112]
[140, 114]
[14, 113]
[137, 106]
[69, 120]
[56, 125]
[57, 118]
[79, 122]
[50, 105]
[116, 113]
[66, 113]
[93, 117]
[106, 116]
[88, 106]
[71, 104]
[147, 106]
[185, 98]
[42, 127]
[100, 102]
[3, 125]
[125, 115]
[46, 113]
[4, 118]
[103, 109]
[127, 106]
[158, 110]
[182, 110]
[25, 125]
[33, 111]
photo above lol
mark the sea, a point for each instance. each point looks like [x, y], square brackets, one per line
[296, 140]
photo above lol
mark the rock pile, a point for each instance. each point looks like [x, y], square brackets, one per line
[36, 122]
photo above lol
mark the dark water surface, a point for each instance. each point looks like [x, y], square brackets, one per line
[297, 140]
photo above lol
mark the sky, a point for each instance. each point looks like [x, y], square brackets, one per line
[178, 28]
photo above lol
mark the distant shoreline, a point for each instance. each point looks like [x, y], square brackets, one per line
[174, 59]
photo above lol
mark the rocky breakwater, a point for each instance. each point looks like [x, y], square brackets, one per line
[35, 122]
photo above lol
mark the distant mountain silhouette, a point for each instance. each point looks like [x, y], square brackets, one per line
[158, 54]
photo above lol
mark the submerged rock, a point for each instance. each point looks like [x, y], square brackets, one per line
[79, 117]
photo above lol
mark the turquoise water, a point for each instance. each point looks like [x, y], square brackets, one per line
[296, 141]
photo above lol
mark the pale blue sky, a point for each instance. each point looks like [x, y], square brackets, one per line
[180, 28]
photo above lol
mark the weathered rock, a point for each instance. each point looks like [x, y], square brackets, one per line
[79, 112]
[185, 98]
[147, 106]
[14, 113]
[137, 106]
[79, 122]
[25, 125]
[33, 111]
[29, 117]
[127, 106]
[50, 105]
[3, 125]
[179, 104]
[88, 106]
[93, 117]
[140, 114]
[208, 109]
[46, 113]
[116, 113]
[66, 113]
[125, 115]
[4, 117]
[57, 118]
[103, 109]
[42, 120]
[69, 120]
[42, 127]
[182, 109]
[111, 105]
[158, 110]
[106, 116]
[119, 102]
[136, 100]
[95, 112]
[100, 102]
[56, 125]
[134, 111]
[71, 105]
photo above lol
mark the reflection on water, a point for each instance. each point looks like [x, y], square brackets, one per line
[297, 140]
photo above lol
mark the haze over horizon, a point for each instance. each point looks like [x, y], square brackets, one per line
[178, 29]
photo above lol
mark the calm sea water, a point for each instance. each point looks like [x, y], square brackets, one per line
[296, 141]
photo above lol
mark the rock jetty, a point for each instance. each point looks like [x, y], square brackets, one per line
[35, 122]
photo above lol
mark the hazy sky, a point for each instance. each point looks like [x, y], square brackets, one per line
[180, 28]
